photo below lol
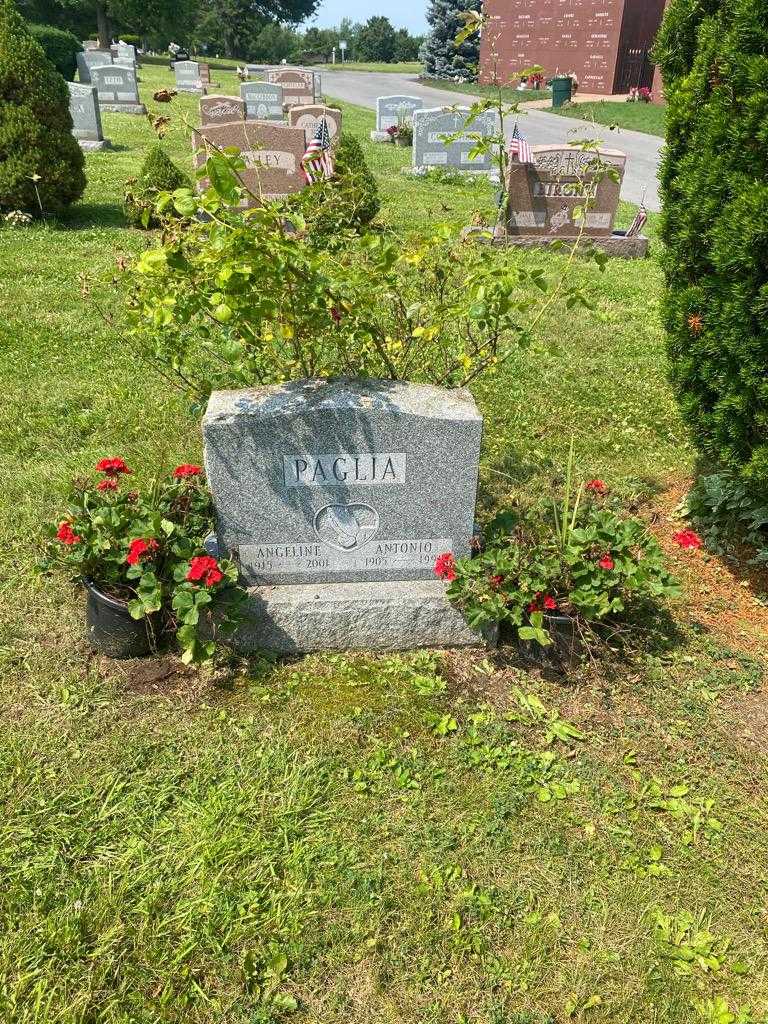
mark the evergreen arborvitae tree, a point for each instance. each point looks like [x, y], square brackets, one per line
[158, 174]
[440, 55]
[41, 163]
[714, 61]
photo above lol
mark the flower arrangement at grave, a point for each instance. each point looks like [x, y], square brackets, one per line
[145, 548]
[581, 560]
[641, 94]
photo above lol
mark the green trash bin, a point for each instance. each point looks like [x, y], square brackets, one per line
[562, 90]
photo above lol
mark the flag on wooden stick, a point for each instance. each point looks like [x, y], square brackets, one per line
[519, 148]
[317, 162]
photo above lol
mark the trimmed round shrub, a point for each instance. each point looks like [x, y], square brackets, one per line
[714, 61]
[158, 174]
[350, 199]
[59, 47]
[41, 163]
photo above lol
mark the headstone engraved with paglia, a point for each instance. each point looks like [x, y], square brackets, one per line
[118, 89]
[336, 498]
[86, 116]
[391, 111]
[263, 101]
[431, 150]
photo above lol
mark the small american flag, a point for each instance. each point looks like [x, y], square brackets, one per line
[317, 162]
[519, 147]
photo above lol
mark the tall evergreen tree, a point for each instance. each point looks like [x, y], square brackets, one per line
[441, 57]
[41, 164]
[714, 61]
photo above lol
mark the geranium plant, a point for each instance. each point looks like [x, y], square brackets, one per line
[584, 560]
[147, 549]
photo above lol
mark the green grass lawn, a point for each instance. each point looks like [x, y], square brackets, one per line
[509, 94]
[638, 117]
[402, 68]
[359, 839]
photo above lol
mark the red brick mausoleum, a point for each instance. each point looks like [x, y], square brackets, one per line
[606, 43]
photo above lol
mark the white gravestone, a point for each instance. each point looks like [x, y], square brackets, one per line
[188, 79]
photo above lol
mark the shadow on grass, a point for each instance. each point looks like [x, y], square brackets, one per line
[93, 215]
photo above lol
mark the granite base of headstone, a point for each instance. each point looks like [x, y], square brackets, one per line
[335, 498]
[618, 243]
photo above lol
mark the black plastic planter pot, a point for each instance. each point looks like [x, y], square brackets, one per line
[111, 630]
[566, 650]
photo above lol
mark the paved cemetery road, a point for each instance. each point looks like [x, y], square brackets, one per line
[539, 127]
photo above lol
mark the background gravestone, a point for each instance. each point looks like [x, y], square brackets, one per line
[429, 150]
[317, 82]
[118, 90]
[336, 498]
[86, 116]
[543, 196]
[205, 75]
[187, 74]
[127, 51]
[272, 154]
[298, 86]
[263, 101]
[91, 59]
[309, 118]
[389, 110]
[220, 110]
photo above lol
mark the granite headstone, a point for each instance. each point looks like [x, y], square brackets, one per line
[309, 118]
[220, 110]
[336, 498]
[118, 90]
[263, 101]
[430, 150]
[86, 116]
[390, 110]
[544, 197]
[89, 59]
[298, 86]
[187, 74]
[272, 154]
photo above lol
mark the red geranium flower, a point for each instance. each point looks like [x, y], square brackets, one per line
[186, 470]
[204, 569]
[109, 483]
[445, 567]
[598, 487]
[66, 534]
[112, 467]
[496, 581]
[140, 549]
[335, 315]
[688, 539]
[543, 602]
[607, 563]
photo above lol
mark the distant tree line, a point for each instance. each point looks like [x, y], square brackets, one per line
[262, 31]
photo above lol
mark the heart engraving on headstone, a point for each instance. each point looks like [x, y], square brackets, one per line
[346, 527]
